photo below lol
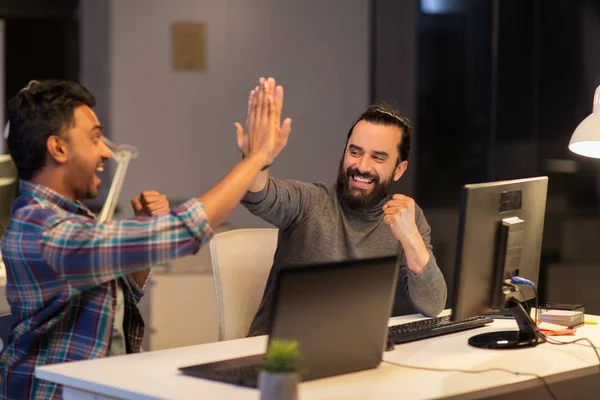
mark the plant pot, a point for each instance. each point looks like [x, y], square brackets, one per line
[274, 386]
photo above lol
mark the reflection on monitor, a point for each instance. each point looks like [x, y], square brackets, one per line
[500, 237]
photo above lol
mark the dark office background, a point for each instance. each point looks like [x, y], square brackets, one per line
[501, 85]
[41, 40]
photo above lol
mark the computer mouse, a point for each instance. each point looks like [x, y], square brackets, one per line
[390, 345]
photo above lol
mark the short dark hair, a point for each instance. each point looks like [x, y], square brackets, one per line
[382, 114]
[38, 111]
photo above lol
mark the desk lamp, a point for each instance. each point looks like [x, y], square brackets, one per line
[122, 154]
[586, 138]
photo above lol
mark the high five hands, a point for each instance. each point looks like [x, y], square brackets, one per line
[265, 103]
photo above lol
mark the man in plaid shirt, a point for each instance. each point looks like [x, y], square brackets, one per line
[72, 282]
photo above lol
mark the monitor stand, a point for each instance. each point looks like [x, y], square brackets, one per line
[526, 336]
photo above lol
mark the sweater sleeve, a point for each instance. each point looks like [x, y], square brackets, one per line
[428, 290]
[283, 203]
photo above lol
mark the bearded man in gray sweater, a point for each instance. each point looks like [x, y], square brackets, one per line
[356, 218]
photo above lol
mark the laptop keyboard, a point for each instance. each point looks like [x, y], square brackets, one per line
[241, 371]
[432, 327]
[243, 376]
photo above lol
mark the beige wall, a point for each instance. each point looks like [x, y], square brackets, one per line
[182, 122]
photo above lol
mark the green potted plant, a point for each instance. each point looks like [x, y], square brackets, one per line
[279, 371]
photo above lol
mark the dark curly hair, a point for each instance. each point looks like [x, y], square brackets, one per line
[38, 111]
[382, 114]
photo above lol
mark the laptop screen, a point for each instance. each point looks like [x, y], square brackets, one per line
[337, 312]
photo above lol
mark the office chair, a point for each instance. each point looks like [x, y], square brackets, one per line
[8, 189]
[5, 324]
[241, 260]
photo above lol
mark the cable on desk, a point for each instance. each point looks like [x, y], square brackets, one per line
[540, 335]
[553, 341]
[480, 371]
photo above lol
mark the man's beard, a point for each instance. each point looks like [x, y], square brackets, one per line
[360, 199]
[82, 179]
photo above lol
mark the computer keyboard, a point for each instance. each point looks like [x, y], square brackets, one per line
[433, 327]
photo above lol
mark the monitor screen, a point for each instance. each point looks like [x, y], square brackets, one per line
[500, 236]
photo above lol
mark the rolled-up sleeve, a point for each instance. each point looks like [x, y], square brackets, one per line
[86, 253]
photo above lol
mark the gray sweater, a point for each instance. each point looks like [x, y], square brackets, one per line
[314, 227]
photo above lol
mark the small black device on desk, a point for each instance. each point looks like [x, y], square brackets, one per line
[563, 306]
[500, 314]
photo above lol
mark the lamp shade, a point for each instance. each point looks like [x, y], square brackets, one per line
[586, 138]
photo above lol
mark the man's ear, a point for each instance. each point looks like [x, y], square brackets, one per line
[400, 169]
[57, 149]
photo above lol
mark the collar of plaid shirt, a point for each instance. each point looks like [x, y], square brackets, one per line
[49, 197]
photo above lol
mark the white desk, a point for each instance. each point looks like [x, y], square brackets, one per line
[154, 375]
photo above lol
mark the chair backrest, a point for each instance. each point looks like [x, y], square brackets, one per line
[5, 324]
[241, 260]
[9, 186]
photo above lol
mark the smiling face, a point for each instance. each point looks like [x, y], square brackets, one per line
[370, 164]
[84, 154]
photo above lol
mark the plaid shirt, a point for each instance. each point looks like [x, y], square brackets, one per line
[62, 268]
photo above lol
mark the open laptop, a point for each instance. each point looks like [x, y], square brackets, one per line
[337, 312]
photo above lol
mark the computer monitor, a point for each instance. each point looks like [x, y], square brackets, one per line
[500, 237]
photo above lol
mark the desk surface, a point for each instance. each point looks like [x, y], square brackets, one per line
[153, 375]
